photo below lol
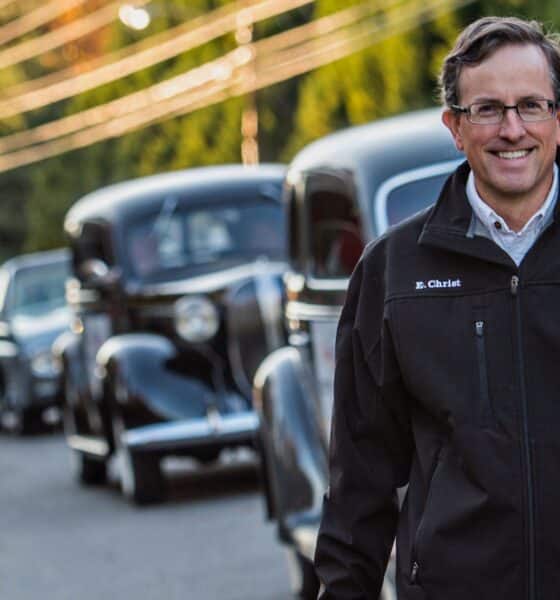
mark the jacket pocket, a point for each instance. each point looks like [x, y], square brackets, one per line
[486, 415]
[415, 567]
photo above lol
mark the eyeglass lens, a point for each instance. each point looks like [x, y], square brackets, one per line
[493, 112]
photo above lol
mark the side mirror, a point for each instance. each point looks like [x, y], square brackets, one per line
[97, 273]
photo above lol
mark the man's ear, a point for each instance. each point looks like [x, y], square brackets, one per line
[451, 120]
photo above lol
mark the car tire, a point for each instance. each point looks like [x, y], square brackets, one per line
[304, 580]
[27, 420]
[89, 470]
[208, 457]
[140, 472]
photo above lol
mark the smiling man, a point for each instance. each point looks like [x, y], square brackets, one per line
[448, 354]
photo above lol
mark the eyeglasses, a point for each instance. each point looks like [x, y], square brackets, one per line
[492, 113]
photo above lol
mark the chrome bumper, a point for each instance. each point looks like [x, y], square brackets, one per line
[218, 430]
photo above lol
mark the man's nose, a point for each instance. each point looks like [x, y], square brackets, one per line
[512, 126]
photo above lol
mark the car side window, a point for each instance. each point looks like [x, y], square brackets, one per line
[412, 197]
[4, 286]
[407, 193]
[335, 237]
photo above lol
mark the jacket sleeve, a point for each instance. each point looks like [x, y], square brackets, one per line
[370, 448]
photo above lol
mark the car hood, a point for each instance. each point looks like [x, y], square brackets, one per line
[210, 282]
[38, 333]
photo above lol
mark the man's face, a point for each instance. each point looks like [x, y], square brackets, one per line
[512, 161]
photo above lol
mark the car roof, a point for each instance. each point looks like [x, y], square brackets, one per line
[382, 148]
[111, 202]
[36, 259]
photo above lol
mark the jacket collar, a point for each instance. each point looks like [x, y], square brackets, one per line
[449, 222]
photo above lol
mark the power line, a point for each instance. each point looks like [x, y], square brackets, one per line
[280, 66]
[40, 16]
[170, 44]
[62, 35]
[5, 3]
[185, 82]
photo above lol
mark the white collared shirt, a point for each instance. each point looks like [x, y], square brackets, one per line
[491, 225]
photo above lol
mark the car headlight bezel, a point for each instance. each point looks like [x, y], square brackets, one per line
[196, 319]
[45, 365]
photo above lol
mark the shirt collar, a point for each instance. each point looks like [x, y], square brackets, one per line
[489, 217]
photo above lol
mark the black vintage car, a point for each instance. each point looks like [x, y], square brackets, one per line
[32, 314]
[176, 296]
[342, 191]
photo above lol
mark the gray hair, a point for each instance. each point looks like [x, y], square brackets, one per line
[483, 37]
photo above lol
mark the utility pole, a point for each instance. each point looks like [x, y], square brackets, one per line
[249, 116]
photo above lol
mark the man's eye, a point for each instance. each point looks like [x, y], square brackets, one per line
[531, 105]
[487, 109]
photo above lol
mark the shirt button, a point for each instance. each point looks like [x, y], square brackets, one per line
[497, 225]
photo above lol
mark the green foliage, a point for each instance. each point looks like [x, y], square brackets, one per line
[395, 74]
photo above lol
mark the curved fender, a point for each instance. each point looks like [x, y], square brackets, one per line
[66, 349]
[136, 369]
[295, 455]
[254, 322]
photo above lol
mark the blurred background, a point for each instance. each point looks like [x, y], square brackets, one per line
[98, 91]
[94, 92]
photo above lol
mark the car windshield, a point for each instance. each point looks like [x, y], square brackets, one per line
[178, 237]
[39, 290]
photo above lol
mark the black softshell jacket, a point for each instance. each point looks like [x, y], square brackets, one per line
[447, 379]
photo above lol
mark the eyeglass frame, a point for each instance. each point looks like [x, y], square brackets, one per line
[466, 110]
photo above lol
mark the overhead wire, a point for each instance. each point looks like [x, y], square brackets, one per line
[5, 3]
[62, 35]
[171, 43]
[185, 82]
[277, 67]
[35, 18]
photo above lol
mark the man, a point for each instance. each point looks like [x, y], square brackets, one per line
[452, 387]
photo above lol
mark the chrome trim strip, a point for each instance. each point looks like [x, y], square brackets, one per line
[380, 200]
[192, 431]
[339, 284]
[312, 312]
[305, 538]
[269, 301]
[88, 445]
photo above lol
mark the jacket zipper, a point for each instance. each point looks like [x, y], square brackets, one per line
[415, 564]
[482, 366]
[526, 442]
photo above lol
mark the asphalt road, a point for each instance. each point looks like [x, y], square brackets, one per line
[58, 541]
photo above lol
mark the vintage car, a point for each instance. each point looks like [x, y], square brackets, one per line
[32, 314]
[176, 293]
[341, 192]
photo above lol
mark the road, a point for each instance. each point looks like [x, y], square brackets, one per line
[58, 541]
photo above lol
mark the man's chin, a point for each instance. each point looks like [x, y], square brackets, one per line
[508, 189]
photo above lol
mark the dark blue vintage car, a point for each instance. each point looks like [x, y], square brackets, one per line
[33, 313]
[176, 299]
[341, 192]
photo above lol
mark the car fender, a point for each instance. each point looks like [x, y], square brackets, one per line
[138, 374]
[254, 322]
[10, 373]
[295, 458]
[66, 350]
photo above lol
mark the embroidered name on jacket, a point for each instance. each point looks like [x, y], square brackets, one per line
[438, 283]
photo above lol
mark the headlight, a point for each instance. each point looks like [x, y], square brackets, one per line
[45, 365]
[196, 319]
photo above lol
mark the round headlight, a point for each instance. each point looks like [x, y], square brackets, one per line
[196, 319]
[45, 365]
